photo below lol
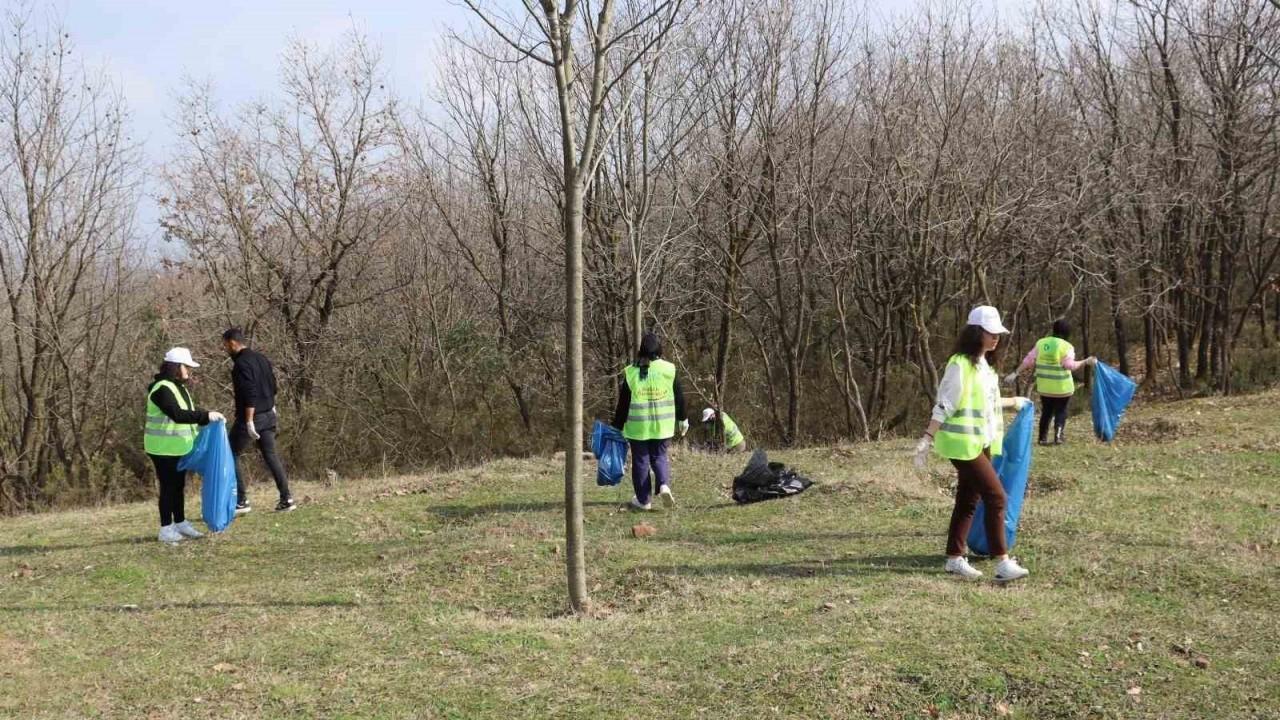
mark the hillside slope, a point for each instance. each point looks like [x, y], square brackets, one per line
[1155, 592]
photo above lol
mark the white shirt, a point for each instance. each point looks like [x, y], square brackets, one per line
[951, 389]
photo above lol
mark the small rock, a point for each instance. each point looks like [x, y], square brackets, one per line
[1134, 691]
[129, 608]
[1002, 710]
[1201, 662]
[643, 530]
[828, 606]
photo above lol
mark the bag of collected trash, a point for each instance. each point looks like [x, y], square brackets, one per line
[1012, 465]
[610, 449]
[1112, 393]
[211, 458]
[763, 480]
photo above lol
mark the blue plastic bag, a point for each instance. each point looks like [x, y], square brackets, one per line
[212, 459]
[1012, 465]
[1112, 393]
[610, 448]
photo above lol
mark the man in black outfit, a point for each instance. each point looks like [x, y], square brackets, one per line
[254, 381]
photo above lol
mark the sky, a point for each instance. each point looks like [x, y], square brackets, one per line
[150, 48]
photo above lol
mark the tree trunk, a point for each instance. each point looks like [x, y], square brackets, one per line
[573, 397]
[637, 302]
[1117, 320]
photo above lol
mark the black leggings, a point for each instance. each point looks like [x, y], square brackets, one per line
[1056, 408]
[173, 485]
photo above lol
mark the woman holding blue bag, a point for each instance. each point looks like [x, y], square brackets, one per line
[1054, 359]
[967, 428]
[170, 433]
[650, 410]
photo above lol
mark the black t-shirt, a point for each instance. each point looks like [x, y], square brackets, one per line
[253, 380]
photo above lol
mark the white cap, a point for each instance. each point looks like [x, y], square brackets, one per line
[181, 356]
[988, 318]
[707, 414]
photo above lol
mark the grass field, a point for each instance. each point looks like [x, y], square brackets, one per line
[1155, 593]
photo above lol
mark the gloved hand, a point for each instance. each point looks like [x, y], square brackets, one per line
[216, 417]
[1021, 402]
[252, 431]
[684, 428]
[1092, 362]
[922, 452]
[1011, 378]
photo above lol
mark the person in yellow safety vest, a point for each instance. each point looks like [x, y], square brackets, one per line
[650, 409]
[169, 434]
[967, 428]
[1054, 360]
[724, 432]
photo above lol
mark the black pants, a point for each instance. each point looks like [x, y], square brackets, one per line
[1055, 408]
[173, 485]
[240, 441]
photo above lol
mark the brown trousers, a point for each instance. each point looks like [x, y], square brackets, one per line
[977, 479]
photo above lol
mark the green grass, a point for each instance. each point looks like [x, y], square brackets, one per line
[443, 596]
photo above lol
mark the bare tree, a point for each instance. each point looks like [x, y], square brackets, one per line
[68, 183]
[287, 207]
[554, 41]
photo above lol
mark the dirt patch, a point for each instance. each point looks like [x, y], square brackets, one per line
[1156, 431]
[1046, 483]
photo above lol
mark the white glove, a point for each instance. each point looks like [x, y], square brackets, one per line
[216, 417]
[253, 431]
[684, 428]
[1021, 402]
[1093, 362]
[1011, 378]
[922, 452]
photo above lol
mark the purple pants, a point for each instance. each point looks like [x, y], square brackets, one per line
[646, 455]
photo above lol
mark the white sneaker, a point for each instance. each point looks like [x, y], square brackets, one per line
[637, 505]
[960, 566]
[668, 499]
[186, 530]
[169, 535]
[1009, 570]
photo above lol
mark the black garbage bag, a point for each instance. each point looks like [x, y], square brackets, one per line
[764, 480]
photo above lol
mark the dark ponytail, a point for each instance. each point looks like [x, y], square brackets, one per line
[650, 350]
[1062, 329]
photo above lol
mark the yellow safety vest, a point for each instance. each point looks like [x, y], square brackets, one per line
[163, 436]
[963, 434]
[732, 434]
[652, 415]
[1051, 378]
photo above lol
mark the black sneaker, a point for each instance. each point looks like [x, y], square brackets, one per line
[243, 508]
[286, 505]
